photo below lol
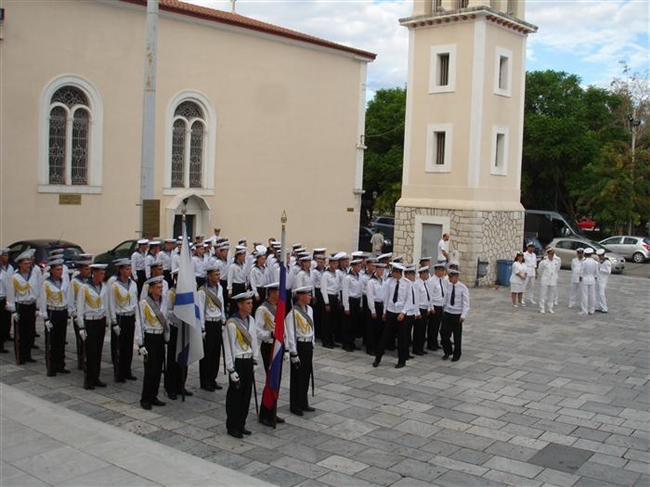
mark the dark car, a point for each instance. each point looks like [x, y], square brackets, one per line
[384, 223]
[43, 247]
[123, 250]
[365, 234]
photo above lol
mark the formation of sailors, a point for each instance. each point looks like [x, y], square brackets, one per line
[590, 273]
[340, 299]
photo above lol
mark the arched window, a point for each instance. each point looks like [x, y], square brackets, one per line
[71, 137]
[190, 146]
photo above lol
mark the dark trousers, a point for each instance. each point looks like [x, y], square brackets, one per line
[81, 347]
[364, 316]
[433, 327]
[96, 330]
[451, 325]
[318, 312]
[351, 323]
[209, 364]
[153, 366]
[330, 320]
[420, 331]
[238, 397]
[5, 323]
[256, 304]
[142, 277]
[375, 329]
[167, 274]
[299, 387]
[393, 327]
[266, 349]
[24, 331]
[175, 375]
[55, 341]
[122, 347]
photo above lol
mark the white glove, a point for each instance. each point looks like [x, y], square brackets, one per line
[254, 366]
[48, 325]
[286, 356]
[83, 335]
[295, 359]
[234, 376]
[167, 336]
[117, 330]
[143, 351]
[203, 335]
[14, 316]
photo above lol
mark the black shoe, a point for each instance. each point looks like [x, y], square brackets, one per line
[279, 420]
[410, 357]
[89, 387]
[445, 356]
[267, 422]
[29, 359]
[35, 347]
[400, 366]
[455, 359]
[145, 405]
[418, 353]
[245, 431]
[121, 381]
[157, 402]
[217, 387]
[355, 347]
[328, 346]
[424, 352]
[348, 348]
[51, 374]
[131, 377]
[63, 371]
[235, 434]
[297, 412]
[208, 388]
[376, 362]
[172, 396]
[99, 383]
[432, 347]
[188, 393]
[308, 409]
[4, 350]
[21, 362]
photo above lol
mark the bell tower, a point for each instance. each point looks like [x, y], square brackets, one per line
[464, 129]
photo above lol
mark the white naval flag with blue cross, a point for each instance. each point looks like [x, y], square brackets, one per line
[189, 345]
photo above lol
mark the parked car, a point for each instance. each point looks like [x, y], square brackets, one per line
[365, 234]
[565, 249]
[123, 250]
[635, 248]
[384, 223]
[547, 225]
[43, 248]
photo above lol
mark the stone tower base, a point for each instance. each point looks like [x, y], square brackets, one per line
[475, 234]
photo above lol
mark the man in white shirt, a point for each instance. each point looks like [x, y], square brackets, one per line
[604, 271]
[456, 309]
[443, 249]
[576, 276]
[6, 271]
[530, 260]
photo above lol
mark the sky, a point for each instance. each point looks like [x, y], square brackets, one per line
[588, 38]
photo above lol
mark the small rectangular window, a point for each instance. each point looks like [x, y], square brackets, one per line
[437, 5]
[443, 69]
[498, 156]
[503, 73]
[440, 139]
[463, 3]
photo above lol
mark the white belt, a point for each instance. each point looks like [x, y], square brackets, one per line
[154, 331]
[244, 355]
[94, 316]
[130, 313]
[217, 320]
[304, 339]
[270, 340]
[57, 308]
[26, 303]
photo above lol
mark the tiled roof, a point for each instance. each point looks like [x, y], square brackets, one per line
[236, 20]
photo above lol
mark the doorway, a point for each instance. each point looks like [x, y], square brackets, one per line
[431, 235]
[178, 226]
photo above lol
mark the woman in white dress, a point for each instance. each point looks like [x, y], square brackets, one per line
[518, 280]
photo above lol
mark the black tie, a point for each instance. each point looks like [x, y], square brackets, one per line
[427, 290]
[453, 295]
[442, 290]
[396, 291]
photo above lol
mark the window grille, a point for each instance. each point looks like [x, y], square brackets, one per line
[178, 154]
[196, 155]
[440, 147]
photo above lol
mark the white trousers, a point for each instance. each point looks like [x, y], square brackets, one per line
[529, 289]
[601, 301]
[574, 292]
[547, 295]
[588, 298]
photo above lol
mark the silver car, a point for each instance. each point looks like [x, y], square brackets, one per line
[565, 249]
[635, 248]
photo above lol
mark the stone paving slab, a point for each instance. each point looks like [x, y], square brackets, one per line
[536, 400]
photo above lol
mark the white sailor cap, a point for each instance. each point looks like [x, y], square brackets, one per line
[243, 296]
[453, 265]
[143, 241]
[154, 280]
[221, 239]
[600, 252]
[356, 261]
[273, 285]
[342, 256]
[170, 240]
[296, 245]
[453, 272]
[55, 262]
[303, 290]
[409, 268]
[211, 267]
[155, 243]
[333, 258]
[320, 250]
[276, 242]
[156, 264]
[530, 244]
[223, 246]
[305, 258]
[4, 250]
[239, 250]
[589, 251]
[27, 254]
[425, 257]
[319, 256]
[440, 266]
[423, 269]
[550, 250]
[85, 256]
[206, 244]
[122, 262]
[98, 267]
[242, 241]
[381, 266]
[397, 267]
[371, 260]
[260, 248]
[257, 254]
[385, 256]
[300, 249]
[357, 253]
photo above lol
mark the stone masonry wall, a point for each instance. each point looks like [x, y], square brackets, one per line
[488, 235]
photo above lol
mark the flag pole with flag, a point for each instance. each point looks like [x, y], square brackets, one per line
[274, 375]
[186, 309]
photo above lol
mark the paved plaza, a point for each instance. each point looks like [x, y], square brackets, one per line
[536, 400]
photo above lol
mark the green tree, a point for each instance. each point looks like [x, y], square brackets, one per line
[384, 139]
